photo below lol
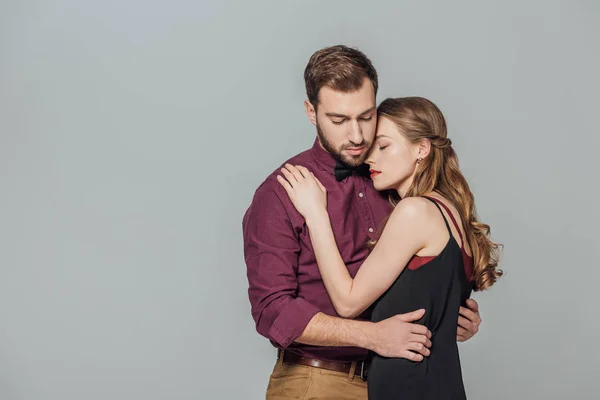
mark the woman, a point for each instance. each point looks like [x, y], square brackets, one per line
[421, 260]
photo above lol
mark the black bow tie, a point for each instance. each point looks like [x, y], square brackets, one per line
[342, 171]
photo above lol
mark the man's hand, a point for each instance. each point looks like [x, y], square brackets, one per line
[399, 338]
[468, 321]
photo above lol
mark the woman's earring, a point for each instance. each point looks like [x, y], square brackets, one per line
[419, 160]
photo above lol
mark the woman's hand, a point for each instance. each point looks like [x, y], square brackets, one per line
[307, 194]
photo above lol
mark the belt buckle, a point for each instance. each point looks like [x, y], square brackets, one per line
[363, 371]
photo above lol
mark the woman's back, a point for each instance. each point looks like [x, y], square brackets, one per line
[440, 285]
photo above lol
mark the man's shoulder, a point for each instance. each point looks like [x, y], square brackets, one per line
[270, 183]
[271, 198]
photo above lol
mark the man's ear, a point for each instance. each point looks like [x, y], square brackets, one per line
[311, 112]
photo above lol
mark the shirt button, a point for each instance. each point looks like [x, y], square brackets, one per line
[371, 230]
[361, 194]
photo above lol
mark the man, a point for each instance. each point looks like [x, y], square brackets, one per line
[321, 355]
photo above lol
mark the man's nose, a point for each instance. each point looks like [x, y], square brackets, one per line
[355, 134]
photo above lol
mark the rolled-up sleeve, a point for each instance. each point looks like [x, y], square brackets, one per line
[271, 251]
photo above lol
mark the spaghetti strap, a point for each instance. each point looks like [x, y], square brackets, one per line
[462, 240]
[441, 212]
[443, 283]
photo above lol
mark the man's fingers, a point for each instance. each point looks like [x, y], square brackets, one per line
[470, 326]
[465, 323]
[468, 314]
[462, 332]
[462, 335]
[420, 330]
[423, 339]
[409, 355]
[412, 316]
[464, 311]
[472, 304]
[418, 348]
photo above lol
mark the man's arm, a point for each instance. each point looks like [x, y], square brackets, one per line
[271, 251]
[394, 337]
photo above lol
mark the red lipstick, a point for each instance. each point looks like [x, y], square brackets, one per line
[374, 173]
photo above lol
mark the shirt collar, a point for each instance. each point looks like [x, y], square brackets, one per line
[323, 158]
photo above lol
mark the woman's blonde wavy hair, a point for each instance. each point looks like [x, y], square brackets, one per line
[418, 118]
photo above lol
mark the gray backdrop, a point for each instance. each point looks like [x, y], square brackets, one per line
[133, 136]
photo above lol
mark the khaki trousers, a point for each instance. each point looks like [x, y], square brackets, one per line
[301, 382]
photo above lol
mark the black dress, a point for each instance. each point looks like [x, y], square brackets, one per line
[440, 286]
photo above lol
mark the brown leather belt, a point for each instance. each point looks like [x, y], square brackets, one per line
[291, 358]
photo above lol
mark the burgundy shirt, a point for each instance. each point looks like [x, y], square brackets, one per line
[285, 287]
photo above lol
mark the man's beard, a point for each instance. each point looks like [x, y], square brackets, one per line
[349, 160]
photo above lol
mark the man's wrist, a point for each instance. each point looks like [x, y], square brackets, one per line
[330, 331]
[366, 334]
